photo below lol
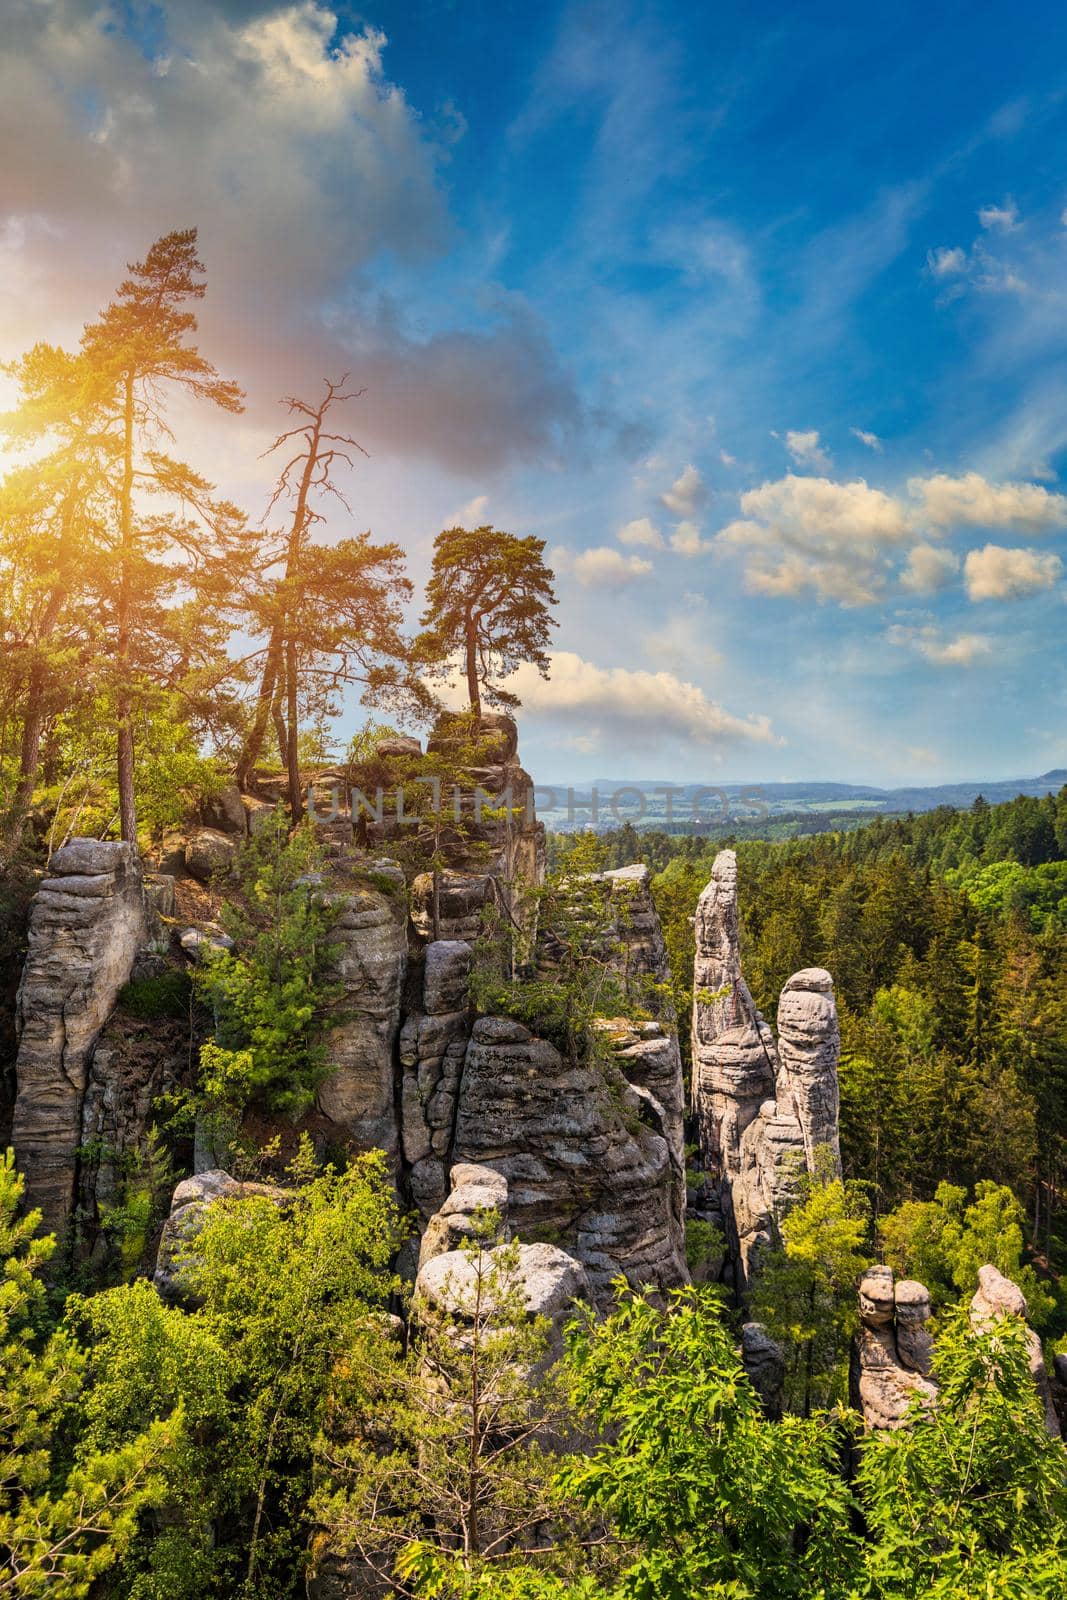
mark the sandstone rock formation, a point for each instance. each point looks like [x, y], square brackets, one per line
[433, 1044]
[764, 1110]
[734, 1058]
[808, 1048]
[891, 1350]
[593, 1153]
[370, 962]
[998, 1297]
[86, 925]
[580, 1158]
[550, 1280]
[209, 853]
[477, 1194]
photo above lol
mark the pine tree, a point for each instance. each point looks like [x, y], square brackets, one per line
[488, 599]
[138, 351]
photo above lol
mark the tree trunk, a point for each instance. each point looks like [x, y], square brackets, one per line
[124, 744]
[273, 665]
[296, 802]
[265, 699]
[473, 688]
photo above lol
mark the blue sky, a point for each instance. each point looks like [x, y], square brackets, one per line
[756, 313]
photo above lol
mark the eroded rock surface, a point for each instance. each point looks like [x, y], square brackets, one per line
[370, 963]
[809, 1044]
[579, 1160]
[451, 1280]
[765, 1110]
[86, 925]
[891, 1350]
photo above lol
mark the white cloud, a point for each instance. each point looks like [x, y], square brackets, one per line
[995, 573]
[686, 540]
[946, 263]
[801, 534]
[1000, 219]
[971, 501]
[637, 708]
[928, 568]
[604, 567]
[806, 450]
[871, 440]
[472, 515]
[687, 494]
[965, 650]
[642, 531]
[727, 459]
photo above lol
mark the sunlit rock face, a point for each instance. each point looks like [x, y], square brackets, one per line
[809, 1044]
[766, 1111]
[591, 1150]
[86, 925]
[734, 1057]
[891, 1351]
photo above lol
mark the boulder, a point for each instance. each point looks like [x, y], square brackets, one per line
[764, 1362]
[198, 942]
[551, 1281]
[209, 854]
[397, 746]
[226, 812]
[190, 1203]
[477, 1193]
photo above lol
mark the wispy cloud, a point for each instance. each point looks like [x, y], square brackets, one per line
[960, 650]
[806, 451]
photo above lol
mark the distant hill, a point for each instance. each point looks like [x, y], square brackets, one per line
[722, 801]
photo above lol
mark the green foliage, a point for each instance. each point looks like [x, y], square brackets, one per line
[271, 992]
[944, 1241]
[805, 1293]
[953, 1009]
[66, 1516]
[448, 1465]
[488, 599]
[970, 1499]
[704, 1494]
[164, 995]
[577, 974]
[283, 1292]
[705, 1246]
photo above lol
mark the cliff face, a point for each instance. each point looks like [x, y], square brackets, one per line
[86, 926]
[766, 1111]
[592, 1154]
